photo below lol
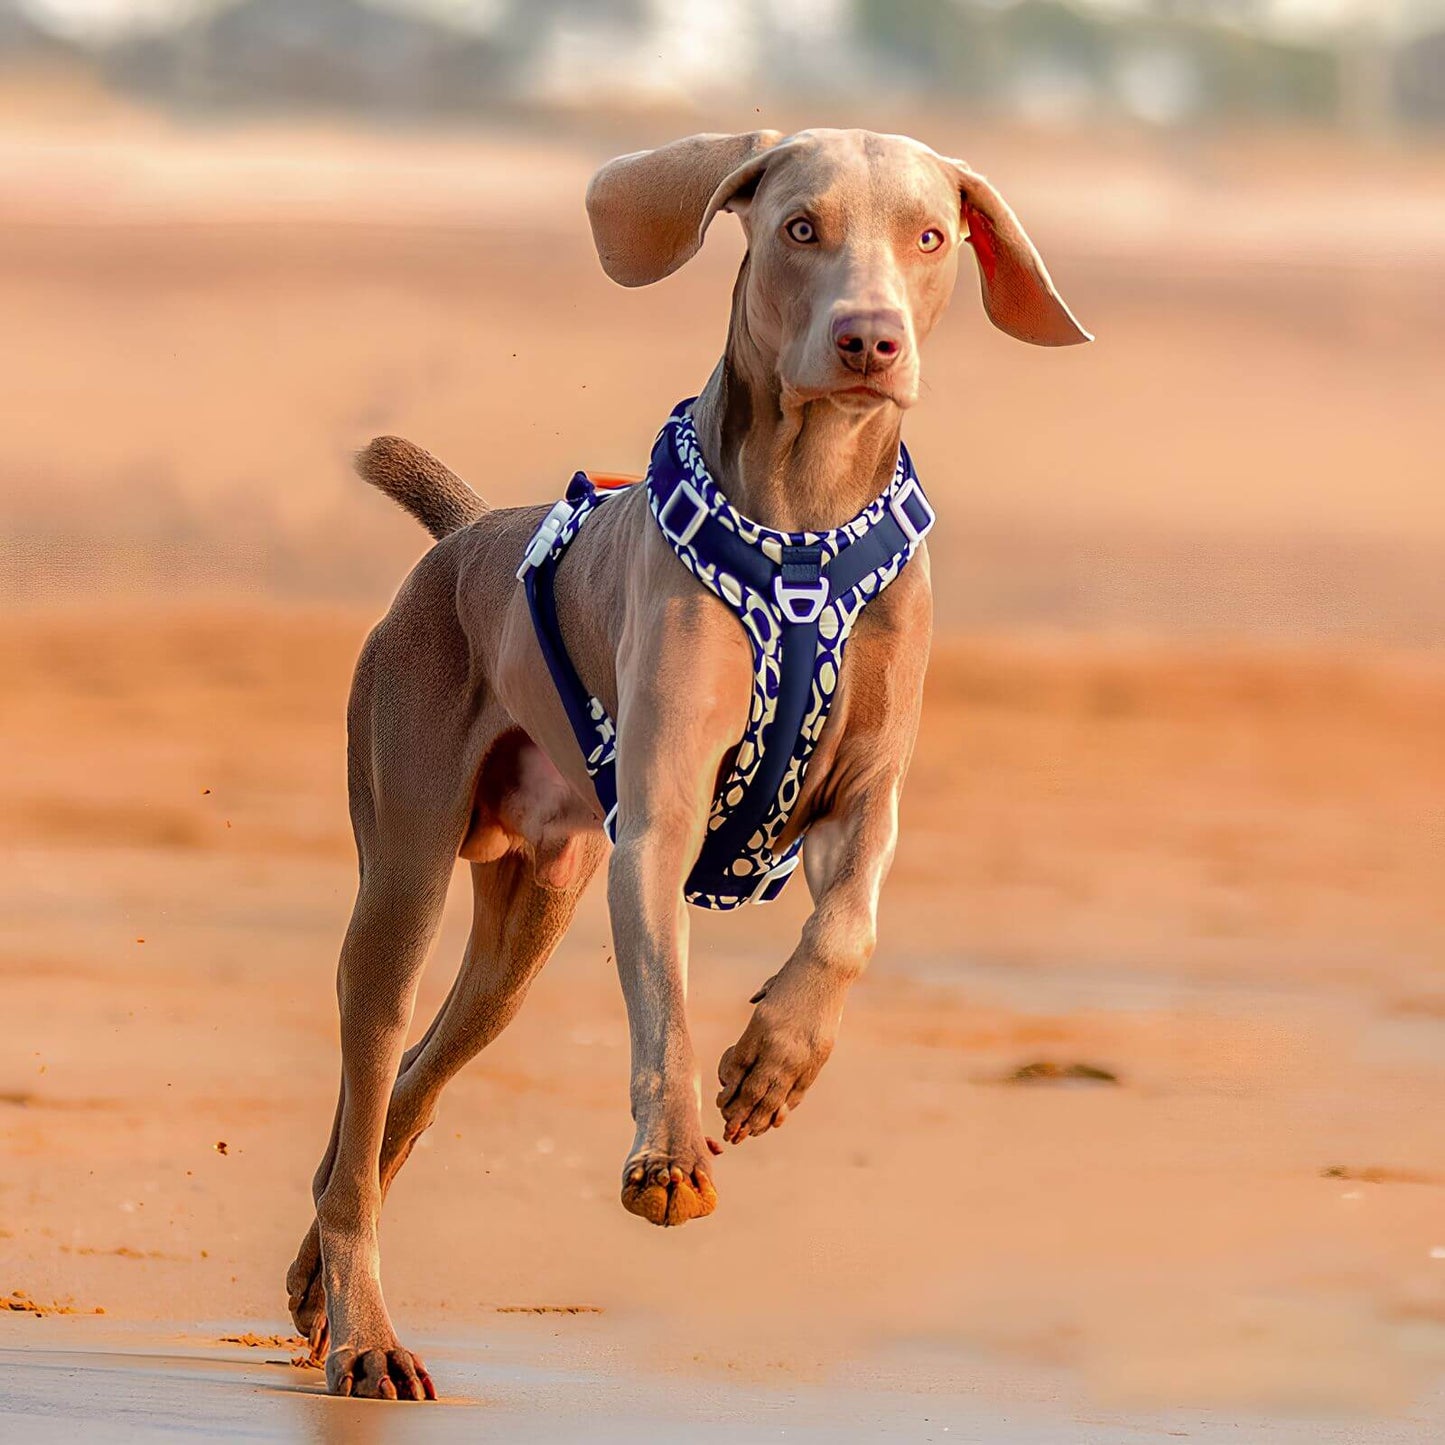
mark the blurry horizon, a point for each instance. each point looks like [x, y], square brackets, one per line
[1363, 65]
[101, 19]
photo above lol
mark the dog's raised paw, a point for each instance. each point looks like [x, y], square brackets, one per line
[659, 1190]
[766, 1073]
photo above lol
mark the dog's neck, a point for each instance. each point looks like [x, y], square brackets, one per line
[789, 464]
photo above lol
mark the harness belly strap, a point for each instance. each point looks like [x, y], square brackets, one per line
[797, 596]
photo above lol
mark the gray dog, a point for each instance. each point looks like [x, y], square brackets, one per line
[460, 737]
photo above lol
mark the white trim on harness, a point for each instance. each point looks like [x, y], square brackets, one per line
[779, 871]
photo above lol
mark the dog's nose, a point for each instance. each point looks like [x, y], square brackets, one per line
[869, 340]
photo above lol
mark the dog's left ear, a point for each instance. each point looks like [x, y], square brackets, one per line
[650, 210]
[1018, 293]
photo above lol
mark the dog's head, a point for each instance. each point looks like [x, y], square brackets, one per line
[853, 243]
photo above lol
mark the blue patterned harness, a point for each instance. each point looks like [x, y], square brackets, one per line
[797, 596]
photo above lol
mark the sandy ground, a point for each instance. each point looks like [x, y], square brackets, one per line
[1175, 817]
[522, 1384]
[1158, 865]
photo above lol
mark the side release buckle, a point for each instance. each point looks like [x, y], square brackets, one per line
[544, 539]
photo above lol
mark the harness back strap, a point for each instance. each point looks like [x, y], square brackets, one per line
[595, 733]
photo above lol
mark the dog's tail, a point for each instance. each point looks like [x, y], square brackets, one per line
[439, 499]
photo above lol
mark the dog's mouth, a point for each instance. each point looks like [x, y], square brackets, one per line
[867, 393]
[854, 392]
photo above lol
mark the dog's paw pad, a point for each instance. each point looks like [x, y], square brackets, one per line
[666, 1194]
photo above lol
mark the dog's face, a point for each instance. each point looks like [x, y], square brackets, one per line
[852, 255]
[853, 247]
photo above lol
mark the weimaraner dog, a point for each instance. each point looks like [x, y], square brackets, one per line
[460, 744]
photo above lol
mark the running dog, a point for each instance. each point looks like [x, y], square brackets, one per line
[671, 676]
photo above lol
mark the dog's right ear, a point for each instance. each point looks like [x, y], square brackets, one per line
[650, 210]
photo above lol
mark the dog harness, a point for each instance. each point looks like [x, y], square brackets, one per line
[797, 596]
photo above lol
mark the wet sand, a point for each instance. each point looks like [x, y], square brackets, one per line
[555, 1390]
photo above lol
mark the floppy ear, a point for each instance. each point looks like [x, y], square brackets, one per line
[1017, 292]
[650, 210]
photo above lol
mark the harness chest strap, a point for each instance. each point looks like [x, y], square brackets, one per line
[796, 595]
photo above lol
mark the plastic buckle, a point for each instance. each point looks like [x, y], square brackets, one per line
[800, 588]
[801, 601]
[910, 491]
[667, 516]
[778, 874]
[544, 539]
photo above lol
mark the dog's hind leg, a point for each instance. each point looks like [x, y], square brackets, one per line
[516, 924]
[397, 911]
[412, 735]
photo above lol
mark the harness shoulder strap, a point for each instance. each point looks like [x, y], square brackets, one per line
[796, 596]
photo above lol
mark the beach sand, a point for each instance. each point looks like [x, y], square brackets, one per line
[1174, 820]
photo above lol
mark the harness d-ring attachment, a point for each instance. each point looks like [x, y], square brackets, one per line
[801, 601]
[800, 589]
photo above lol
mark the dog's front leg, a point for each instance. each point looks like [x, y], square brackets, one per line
[671, 741]
[795, 1024]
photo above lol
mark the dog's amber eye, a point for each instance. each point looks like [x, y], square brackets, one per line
[930, 240]
[800, 229]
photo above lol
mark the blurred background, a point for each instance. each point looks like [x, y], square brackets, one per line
[276, 226]
[1177, 808]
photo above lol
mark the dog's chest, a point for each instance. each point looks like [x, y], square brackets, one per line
[811, 608]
